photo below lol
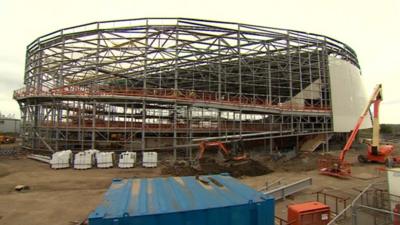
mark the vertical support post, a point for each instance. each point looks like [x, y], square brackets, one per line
[325, 80]
[290, 76]
[145, 58]
[38, 85]
[54, 118]
[271, 146]
[219, 122]
[240, 80]
[94, 105]
[269, 76]
[319, 75]
[300, 73]
[60, 82]
[309, 66]
[125, 124]
[354, 215]
[175, 132]
[327, 142]
[176, 75]
[108, 122]
[219, 70]
[81, 107]
[143, 138]
[189, 117]
[132, 121]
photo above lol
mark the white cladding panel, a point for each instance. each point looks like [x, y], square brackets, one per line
[348, 95]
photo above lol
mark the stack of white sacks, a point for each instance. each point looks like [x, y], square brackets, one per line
[149, 159]
[105, 159]
[61, 159]
[127, 160]
[86, 159]
[89, 158]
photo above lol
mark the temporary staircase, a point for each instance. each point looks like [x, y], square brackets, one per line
[314, 142]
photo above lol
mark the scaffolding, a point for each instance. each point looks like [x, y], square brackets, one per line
[161, 83]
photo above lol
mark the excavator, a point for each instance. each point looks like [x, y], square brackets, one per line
[376, 152]
[235, 153]
[4, 139]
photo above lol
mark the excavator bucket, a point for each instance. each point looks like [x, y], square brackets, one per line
[334, 167]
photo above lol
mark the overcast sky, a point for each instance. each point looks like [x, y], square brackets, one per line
[370, 27]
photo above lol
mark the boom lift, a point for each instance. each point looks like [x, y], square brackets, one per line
[375, 152]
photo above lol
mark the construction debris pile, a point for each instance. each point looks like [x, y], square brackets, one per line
[210, 166]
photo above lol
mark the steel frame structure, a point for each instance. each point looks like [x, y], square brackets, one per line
[160, 83]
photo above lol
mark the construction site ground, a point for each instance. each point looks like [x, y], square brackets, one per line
[67, 196]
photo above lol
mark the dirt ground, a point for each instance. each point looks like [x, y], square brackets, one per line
[67, 196]
[246, 167]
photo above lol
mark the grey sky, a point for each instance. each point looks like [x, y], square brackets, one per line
[369, 27]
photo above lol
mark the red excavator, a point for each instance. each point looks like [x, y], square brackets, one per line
[4, 139]
[375, 152]
[234, 153]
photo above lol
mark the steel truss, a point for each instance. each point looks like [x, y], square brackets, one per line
[159, 83]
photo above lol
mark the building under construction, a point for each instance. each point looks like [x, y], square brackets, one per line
[166, 83]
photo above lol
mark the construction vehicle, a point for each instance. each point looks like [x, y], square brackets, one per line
[235, 153]
[4, 139]
[375, 151]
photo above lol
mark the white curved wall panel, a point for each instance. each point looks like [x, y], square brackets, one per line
[348, 95]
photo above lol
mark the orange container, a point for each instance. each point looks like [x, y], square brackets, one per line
[308, 213]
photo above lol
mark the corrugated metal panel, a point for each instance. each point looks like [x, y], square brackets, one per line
[214, 199]
[9, 125]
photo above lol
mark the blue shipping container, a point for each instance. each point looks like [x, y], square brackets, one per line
[204, 200]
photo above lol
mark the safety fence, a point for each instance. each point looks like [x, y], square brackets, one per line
[373, 206]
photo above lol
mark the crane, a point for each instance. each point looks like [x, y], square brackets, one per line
[375, 151]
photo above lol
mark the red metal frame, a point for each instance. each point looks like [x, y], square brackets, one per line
[181, 94]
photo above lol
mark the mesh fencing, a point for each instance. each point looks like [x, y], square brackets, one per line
[373, 206]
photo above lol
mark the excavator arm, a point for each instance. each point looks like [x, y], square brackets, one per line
[222, 147]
